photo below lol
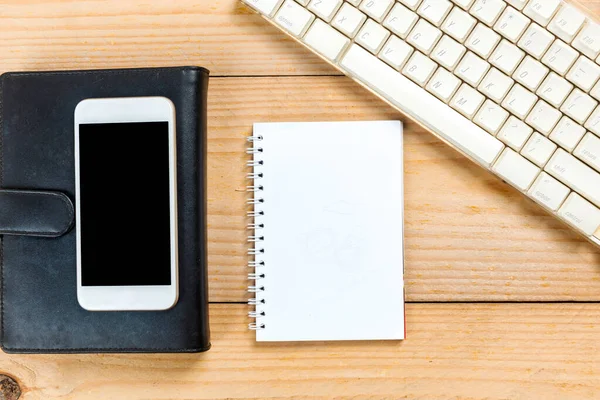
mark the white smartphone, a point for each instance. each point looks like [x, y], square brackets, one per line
[126, 204]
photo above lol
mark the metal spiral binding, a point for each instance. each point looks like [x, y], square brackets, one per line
[256, 326]
[255, 237]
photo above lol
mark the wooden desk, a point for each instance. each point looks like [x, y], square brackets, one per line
[503, 299]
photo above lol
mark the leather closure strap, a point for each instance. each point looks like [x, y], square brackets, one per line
[35, 213]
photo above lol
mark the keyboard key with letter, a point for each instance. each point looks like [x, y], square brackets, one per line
[541, 11]
[294, 18]
[588, 151]
[581, 214]
[548, 191]
[575, 174]
[588, 40]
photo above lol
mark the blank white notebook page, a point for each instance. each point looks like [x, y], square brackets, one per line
[330, 231]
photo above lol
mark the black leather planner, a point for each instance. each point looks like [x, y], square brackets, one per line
[40, 312]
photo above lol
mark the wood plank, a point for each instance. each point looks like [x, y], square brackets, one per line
[222, 35]
[469, 237]
[466, 351]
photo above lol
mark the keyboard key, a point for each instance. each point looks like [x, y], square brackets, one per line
[515, 169]
[588, 40]
[465, 4]
[419, 68]
[496, 85]
[491, 117]
[448, 52]
[543, 117]
[443, 84]
[424, 36]
[566, 23]
[541, 11]
[518, 4]
[325, 9]
[467, 101]
[555, 89]
[416, 102]
[372, 36]
[560, 57]
[472, 69]
[482, 41]
[396, 52]
[326, 40]
[515, 133]
[487, 11]
[400, 20]
[459, 24]
[581, 214]
[506, 57]
[376, 9]
[579, 106]
[593, 122]
[536, 40]
[412, 4]
[519, 101]
[595, 92]
[530, 73]
[349, 20]
[267, 7]
[567, 134]
[588, 151]
[512, 24]
[584, 74]
[538, 149]
[574, 173]
[294, 18]
[548, 191]
[434, 10]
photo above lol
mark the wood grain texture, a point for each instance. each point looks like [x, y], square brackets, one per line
[469, 237]
[453, 351]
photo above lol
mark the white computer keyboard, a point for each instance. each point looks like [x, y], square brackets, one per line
[513, 85]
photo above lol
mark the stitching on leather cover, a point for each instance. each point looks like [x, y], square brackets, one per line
[89, 349]
[62, 197]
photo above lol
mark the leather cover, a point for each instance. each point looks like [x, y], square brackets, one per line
[35, 213]
[40, 312]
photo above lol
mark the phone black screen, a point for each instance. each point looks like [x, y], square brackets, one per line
[124, 204]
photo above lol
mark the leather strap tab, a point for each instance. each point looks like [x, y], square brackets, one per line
[35, 213]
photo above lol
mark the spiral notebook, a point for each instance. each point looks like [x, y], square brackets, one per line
[327, 231]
